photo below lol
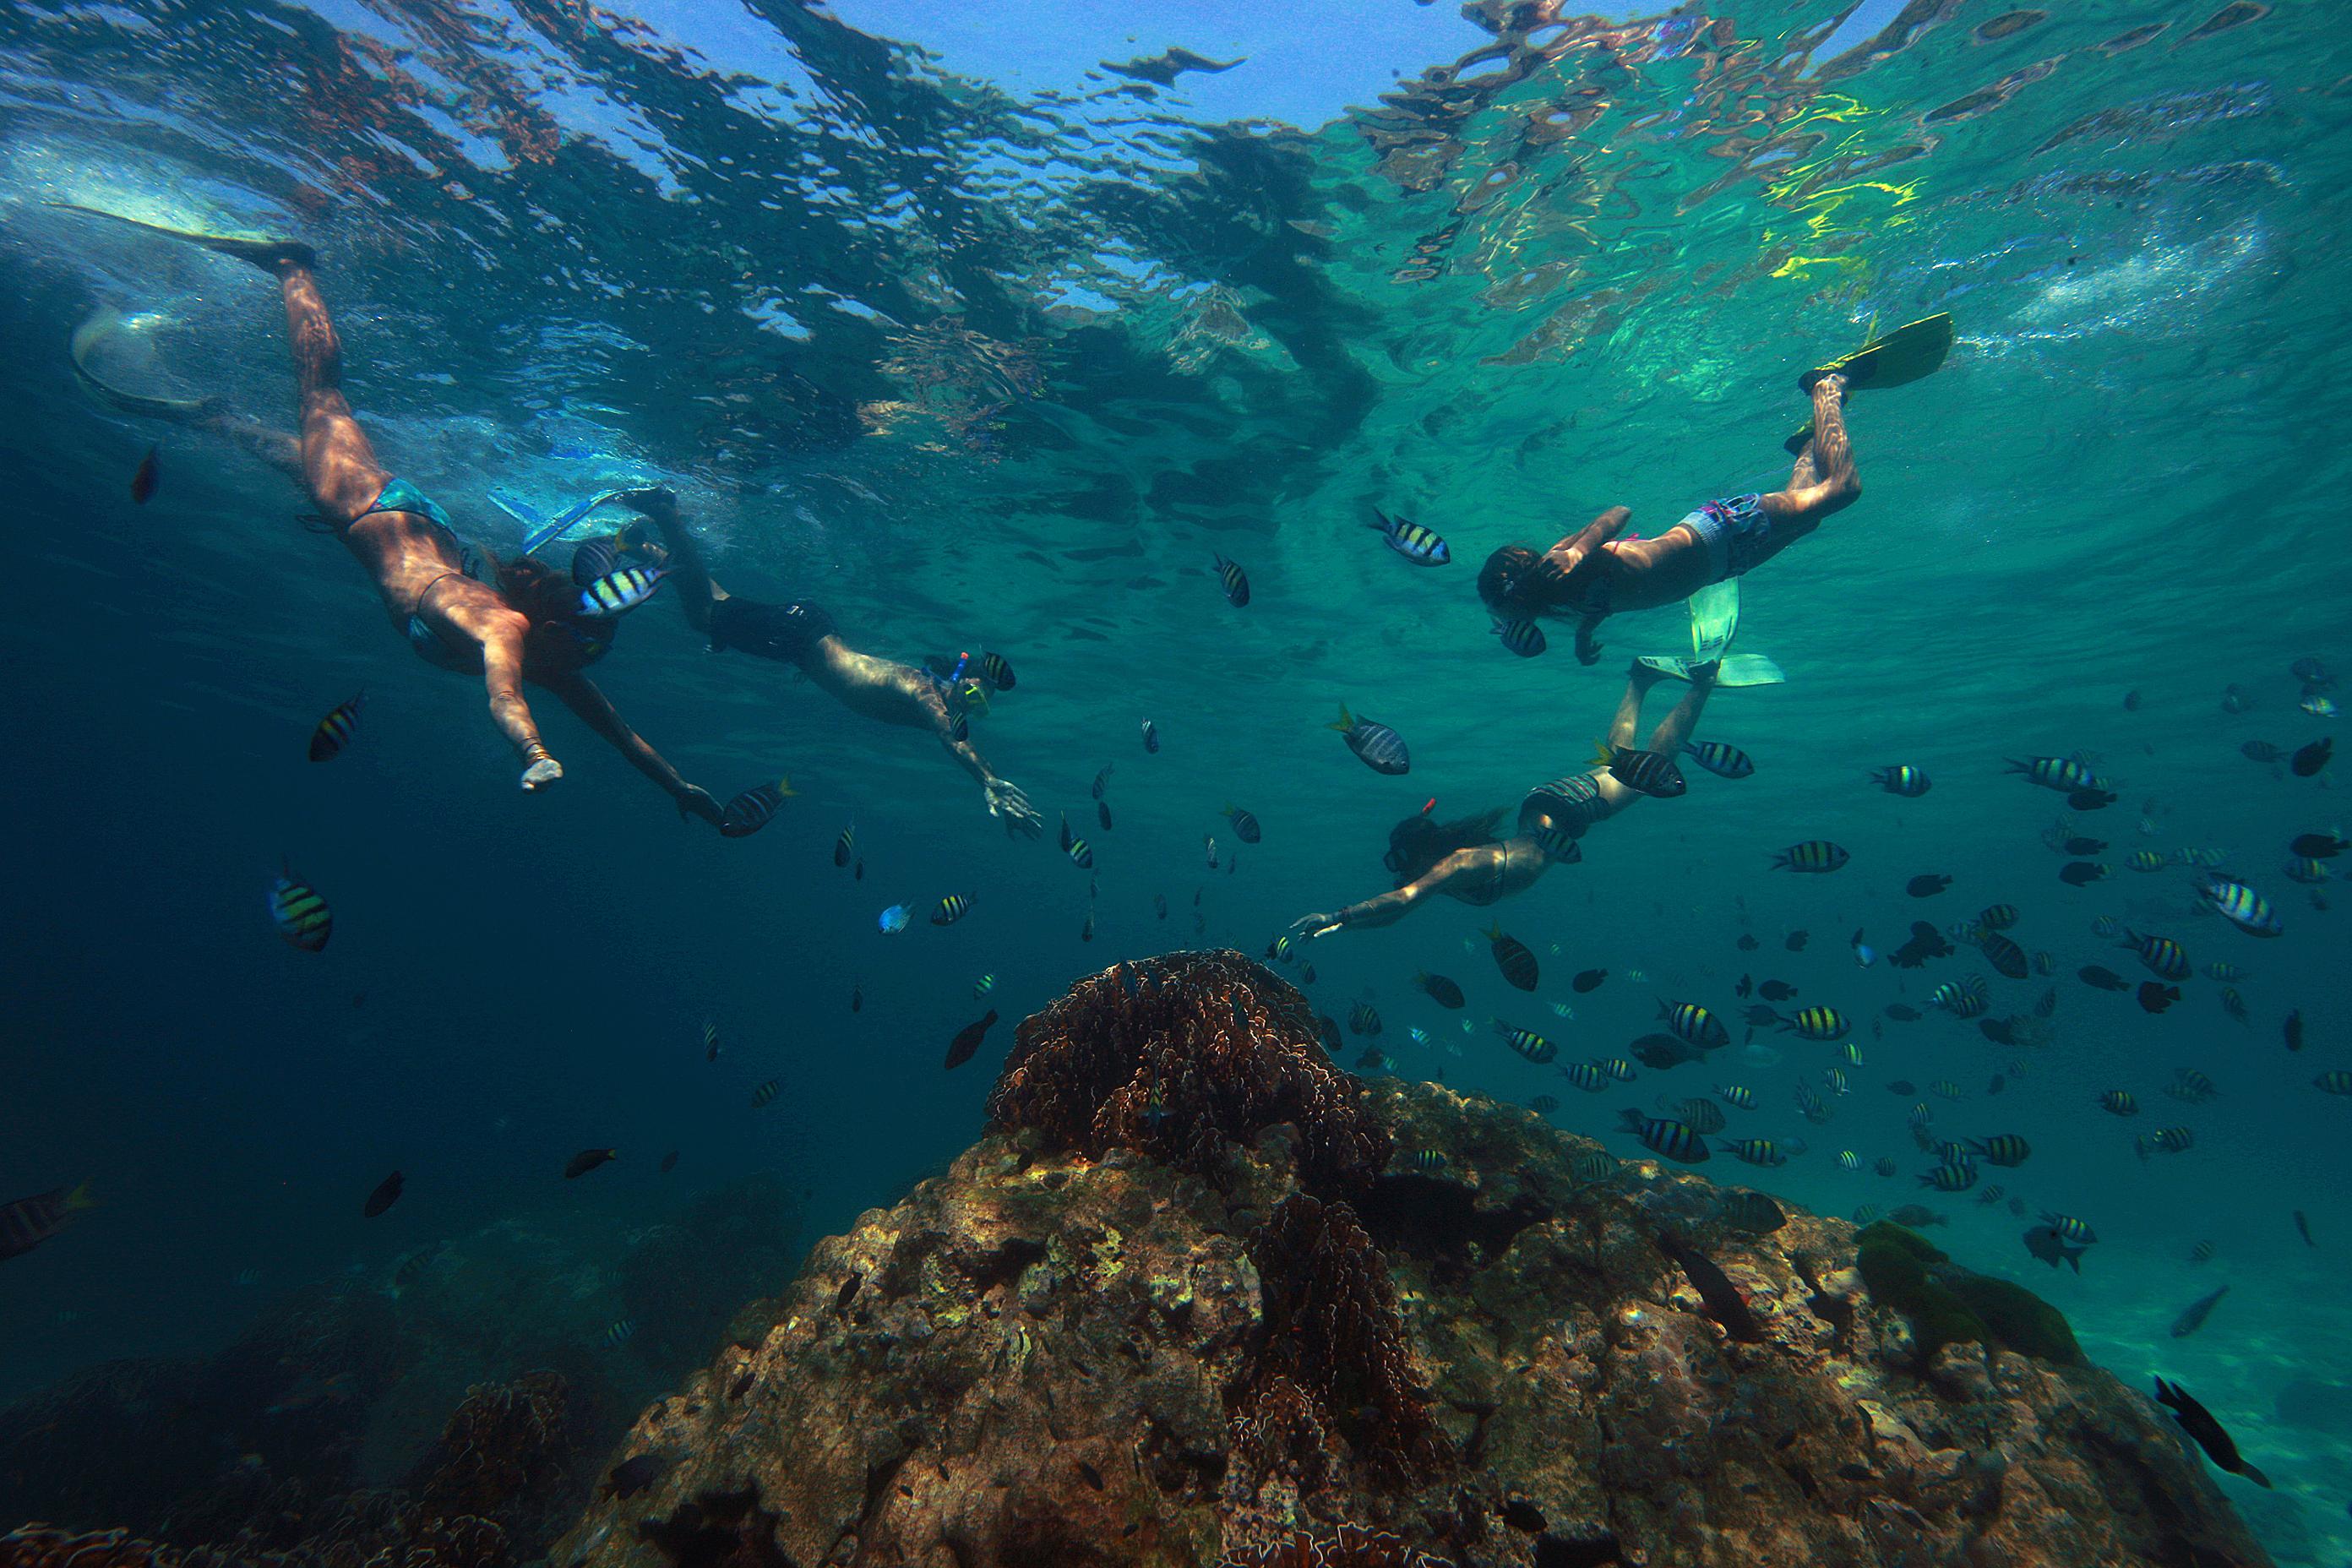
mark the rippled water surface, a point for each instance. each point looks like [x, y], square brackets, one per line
[978, 342]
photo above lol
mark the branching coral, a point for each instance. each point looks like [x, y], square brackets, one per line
[505, 1440]
[1332, 1330]
[1353, 1547]
[1179, 1057]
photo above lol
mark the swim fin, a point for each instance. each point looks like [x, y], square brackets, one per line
[1714, 621]
[103, 324]
[264, 253]
[1892, 359]
[1732, 670]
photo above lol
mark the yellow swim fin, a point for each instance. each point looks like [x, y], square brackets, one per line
[1892, 358]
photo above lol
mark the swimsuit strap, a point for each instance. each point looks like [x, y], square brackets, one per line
[426, 593]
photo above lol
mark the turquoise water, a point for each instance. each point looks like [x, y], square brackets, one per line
[975, 348]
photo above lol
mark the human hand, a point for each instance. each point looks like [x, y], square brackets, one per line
[541, 773]
[654, 500]
[696, 800]
[1306, 928]
[1008, 806]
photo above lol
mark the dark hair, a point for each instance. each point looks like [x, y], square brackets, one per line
[1418, 843]
[1512, 583]
[537, 590]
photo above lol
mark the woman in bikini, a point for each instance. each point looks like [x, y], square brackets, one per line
[509, 622]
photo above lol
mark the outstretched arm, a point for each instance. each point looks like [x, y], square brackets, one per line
[1484, 860]
[581, 695]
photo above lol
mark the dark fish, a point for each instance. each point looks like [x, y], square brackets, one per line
[143, 479]
[845, 846]
[2156, 996]
[669, 1162]
[1776, 991]
[2081, 873]
[1902, 1013]
[386, 1194]
[2293, 1030]
[587, 1160]
[1102, 814]
[1245, 827]
[1663, 1051]
[1102, 779]
[2091, 799]
[1652, 774]
[2193, 1316]
[2302, 1229]
[1814, 855]
[1926, 886]
[2199, 1422]
[857, 872]
[1160, 905]
[2045, 1243]
[1760, 1017]
[1379, 748]
[846, 1293]
[335, 731]
[1673, 1139]
[1752, 1212]
[2081, 846]
[2131, 701]
[2103, 978]
[1724, 1302]
[997, 671]
[1719, 758]
[1512, 957]
[1442, 991]
[2001, 1149]
[1588, 981]
[301, 915]
[596, 558]
[1747, 943]
[1151, 736]
[1091, 1475]
[857, 998]
[967, 1040]
[755, 808]
[2311, 758]
[1524, 639]
[2006, 957]
[1795, 941]
[2318, 846]
[1234, 581]
[2261, 752]
[2000, 1081]
[633, 1475]
[1999, 1031]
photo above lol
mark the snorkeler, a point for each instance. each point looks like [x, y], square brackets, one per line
[507, 621]
[803, 635]
[1465, 860]
[1596, 572]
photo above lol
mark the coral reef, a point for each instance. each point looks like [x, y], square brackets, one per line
[1948, 1304]
[1331, 1326]
[363, 1530]
[1183, 1056]
[507, 1453]
[1098, 1360]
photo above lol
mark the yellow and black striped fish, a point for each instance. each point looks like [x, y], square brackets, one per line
[2119, 1102]
[952, 908]
[1528, 1043]
[1236, 582]
[997, 671]
[1669, 1138]
[624, 589]
[1815, 1024]
[1410, 540]
[1733, 1094]
[301, 915]
[1694, 1024]
[766, 1093]
[1586, 1076]
[1814, 855]
[2336, 1081]
[335, 731]
[2001, 1149]
[1754, 1150]
[1901, 779]
[1950, 1178]
[2073, 1229]
[2161, 954]
[28, 1222]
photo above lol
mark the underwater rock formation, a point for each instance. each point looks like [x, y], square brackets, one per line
[1066, 1352]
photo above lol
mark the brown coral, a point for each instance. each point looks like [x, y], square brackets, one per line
[1332, 1329]
[1353, 1547]
[363, 1530]
[506, 1440]
[1181, 1056]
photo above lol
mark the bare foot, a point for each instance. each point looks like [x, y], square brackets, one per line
[541, 774]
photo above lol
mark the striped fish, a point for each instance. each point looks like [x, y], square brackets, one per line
[1652, 774]
[1997, 917]
[1834, 1080]
[1595, 1166]
[982, 986]
[2119, 1102]
[1617, 1068]
[1512, 957]
[1426, 1161]
[2226, 971]
[301, 915]
[2240, 906]
[1522, 637]
[1950, 1178]
[1245, 825]
[710, 1039]
[1671, 1140]
[1959, 998]
[1377, 746]
[952, 908]
[1814, 855]
[623, 1330]
[1702, 1116]
[1531, 1045]
[623, 589]
[2147, 859]
[845, 846]
[1410, 540]
[28, 1222]
[2001, 1149]
[1885, 1165]
[2336, 1081]
[2063, 775]
[2073, 1229]
[1723, 760]
[1733, 1094]
[1947, 1089]
[997, 671]
[2161, 954]
[1694, 1025]
[2190, 1085]
[2165, 1140]
[1814, 1023]
[766, 1093]
[1991, 1194]
[1754, 1150]
[753, 809]
[1586, 1076]
[335, 731]
[1234, 581]
[2007, 958]
[1901, 779]
[1849, 1160]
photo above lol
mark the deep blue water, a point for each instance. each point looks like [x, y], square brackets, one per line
[974, 358]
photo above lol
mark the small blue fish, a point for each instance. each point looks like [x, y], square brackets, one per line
[894, 919]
